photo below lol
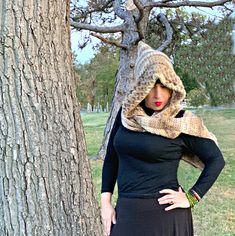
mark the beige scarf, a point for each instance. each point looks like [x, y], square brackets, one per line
[150, 66]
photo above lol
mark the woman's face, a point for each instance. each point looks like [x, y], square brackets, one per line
[158, 97]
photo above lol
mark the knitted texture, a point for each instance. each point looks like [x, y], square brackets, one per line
[150, 66]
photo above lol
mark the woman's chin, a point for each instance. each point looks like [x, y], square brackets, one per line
[157, 108]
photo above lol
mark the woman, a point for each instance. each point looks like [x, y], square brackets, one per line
[151, 134]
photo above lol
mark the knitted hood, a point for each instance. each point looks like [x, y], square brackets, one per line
[150, 66]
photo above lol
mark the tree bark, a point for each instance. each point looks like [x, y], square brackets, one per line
[45, 180]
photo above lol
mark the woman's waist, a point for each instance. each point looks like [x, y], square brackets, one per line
[146, 194]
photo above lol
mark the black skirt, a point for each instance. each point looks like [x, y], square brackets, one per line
[145, 217]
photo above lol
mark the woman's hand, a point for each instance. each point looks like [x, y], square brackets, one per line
[108, 213]
[177, 199]
[108, 217]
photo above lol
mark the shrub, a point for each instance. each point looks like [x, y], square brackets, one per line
[197, 97]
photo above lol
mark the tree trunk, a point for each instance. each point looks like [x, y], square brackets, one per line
[124, 76]
[45, 180]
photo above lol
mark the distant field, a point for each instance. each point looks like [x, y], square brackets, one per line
[215, 214]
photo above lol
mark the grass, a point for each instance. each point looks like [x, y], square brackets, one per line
[215, 214]
[94, 124]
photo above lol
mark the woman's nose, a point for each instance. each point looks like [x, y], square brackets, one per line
[157, 92]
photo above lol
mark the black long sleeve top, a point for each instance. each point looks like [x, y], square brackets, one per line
[143, 163]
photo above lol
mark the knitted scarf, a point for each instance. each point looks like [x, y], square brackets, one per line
[150, 66]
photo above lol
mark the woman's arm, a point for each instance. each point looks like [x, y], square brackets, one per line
[209, 153]
[110, 166]
[109, 177]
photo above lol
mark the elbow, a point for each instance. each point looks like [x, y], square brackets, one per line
[222, 164]
[218, 163]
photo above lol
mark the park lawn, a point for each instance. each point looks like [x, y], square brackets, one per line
[94, 124]
[215, 214]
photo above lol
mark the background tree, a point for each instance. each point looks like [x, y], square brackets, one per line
[45, 180]
[96, 83]
[211, 62]
[131, 21]
[186, 27]
[86, 84]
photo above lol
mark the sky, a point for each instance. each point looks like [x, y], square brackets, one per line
[87, 53]
[233, 36]
[83, 55]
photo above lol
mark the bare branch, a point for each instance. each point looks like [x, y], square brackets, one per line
[169, 32]
[140, 7]
[84, 12]
[118, 9]
[230, 11]
[187, 3]
[115, 43]
[105, 29]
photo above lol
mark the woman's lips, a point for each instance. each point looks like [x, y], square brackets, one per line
[158, 104]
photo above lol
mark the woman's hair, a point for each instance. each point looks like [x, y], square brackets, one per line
[158, 81]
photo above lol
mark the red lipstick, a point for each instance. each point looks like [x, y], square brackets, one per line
[158, 104]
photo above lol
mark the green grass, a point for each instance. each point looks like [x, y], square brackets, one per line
[215, 214]
[94, 127]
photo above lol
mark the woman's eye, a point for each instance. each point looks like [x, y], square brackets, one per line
[163, 86]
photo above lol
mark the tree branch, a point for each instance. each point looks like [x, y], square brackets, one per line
[115, 43]
[169, 32]
[230, 11]
[140, 7]
[187, 3]
[105, 29]
[84, 12]
[122, 13]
